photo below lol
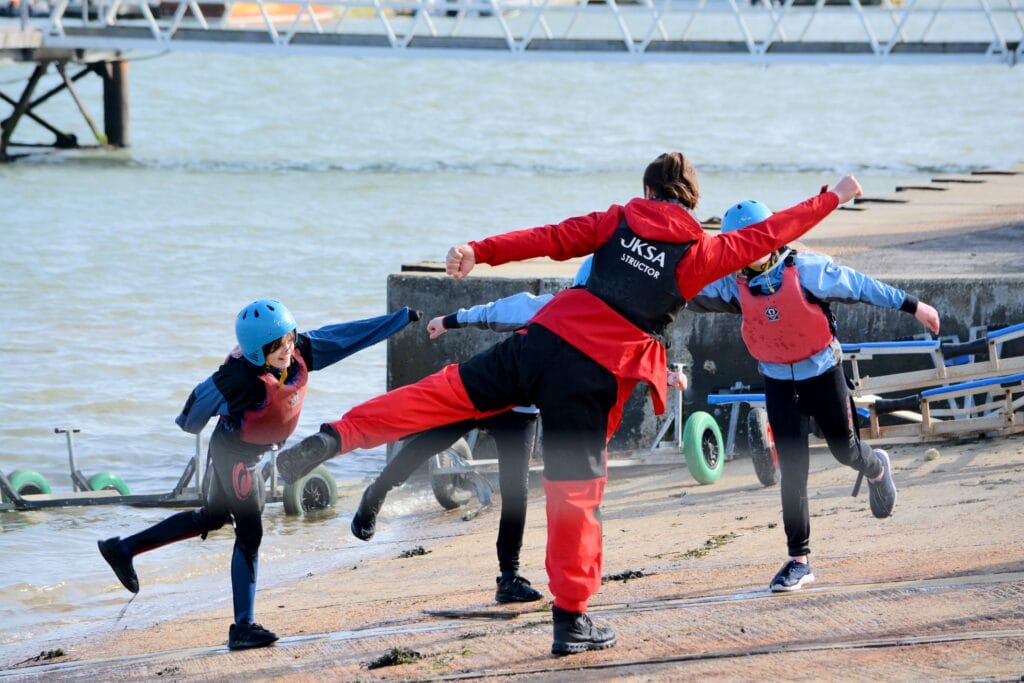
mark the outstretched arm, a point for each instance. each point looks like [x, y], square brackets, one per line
[205, 401]
[830, 282]
[577, 236]
[718, 256]
[329, 344]
[503, 315]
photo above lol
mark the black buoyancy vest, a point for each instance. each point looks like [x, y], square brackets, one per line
[637, 278]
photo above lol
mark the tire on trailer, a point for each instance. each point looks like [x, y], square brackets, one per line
[702, 446]
[108, 481]
[762, 447]
[451, 490]
[315, 491]
[28, 482]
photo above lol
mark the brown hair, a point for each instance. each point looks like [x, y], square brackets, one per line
[271, 347]
[672, 176]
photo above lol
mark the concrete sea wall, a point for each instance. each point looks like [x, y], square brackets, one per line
[709, 344]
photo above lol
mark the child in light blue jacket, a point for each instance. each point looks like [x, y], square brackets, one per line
[789, 328]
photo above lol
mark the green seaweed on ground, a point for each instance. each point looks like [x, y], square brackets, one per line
[624, 576]
[394, 657]
[43, 656]
[716, 541]
[443, 661]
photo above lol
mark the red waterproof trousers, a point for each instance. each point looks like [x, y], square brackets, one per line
[581, 405]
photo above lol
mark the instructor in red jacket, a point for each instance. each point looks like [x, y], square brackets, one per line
[579, 358]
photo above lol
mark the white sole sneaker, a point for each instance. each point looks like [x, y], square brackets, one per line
[780, 588]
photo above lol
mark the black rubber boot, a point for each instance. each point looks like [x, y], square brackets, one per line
[246, 635]
[296, 462]
[515, 588]
[120, 562]
[364, 522]
[575, 633]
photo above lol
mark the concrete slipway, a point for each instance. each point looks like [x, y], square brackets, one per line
[934, 593]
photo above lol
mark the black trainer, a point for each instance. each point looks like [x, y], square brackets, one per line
[792, 577]
[296, 462]
[882, 493]
[364, 522]
[247, 634]
[575, 633]
[120, 562]
[515, 588]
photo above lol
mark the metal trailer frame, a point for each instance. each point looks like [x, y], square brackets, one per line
[947, 370]
[998, 413]
[187, 492]
[981, 397]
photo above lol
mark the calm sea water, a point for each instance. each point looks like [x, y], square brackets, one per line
[310, 180]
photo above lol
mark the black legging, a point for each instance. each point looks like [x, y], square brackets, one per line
[233, 491]
[790, 405]
[513, 434]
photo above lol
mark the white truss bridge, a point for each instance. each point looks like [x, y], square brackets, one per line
[709, 31]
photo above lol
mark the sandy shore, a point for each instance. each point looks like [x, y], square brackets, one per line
[936, 592]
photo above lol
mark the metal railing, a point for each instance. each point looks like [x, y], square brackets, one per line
[758, 31]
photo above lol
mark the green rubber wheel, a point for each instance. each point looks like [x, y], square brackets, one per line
[315, 491]
[108, 481]
[28, 482]
[702, 445]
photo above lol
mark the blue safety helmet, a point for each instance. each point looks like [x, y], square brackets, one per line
[260, 323]
[583, 274]
[743, 214]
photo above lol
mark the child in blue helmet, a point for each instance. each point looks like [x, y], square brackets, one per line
[788, 327]
[257, 395]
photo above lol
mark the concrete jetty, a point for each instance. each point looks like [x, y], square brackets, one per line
[956, 242]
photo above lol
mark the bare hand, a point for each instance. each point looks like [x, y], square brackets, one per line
[678, 380]
[459, 261]
[435, 328]
[847, 188]
[928, 316]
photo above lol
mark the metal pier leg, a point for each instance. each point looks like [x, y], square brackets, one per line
[100, 138]
[115, 102]
[8, 125]
[61, 140]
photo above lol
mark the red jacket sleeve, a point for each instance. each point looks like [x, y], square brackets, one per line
[572, 237]
[714, 257]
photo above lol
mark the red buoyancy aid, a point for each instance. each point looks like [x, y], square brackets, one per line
[783, 327]
[277, 418]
